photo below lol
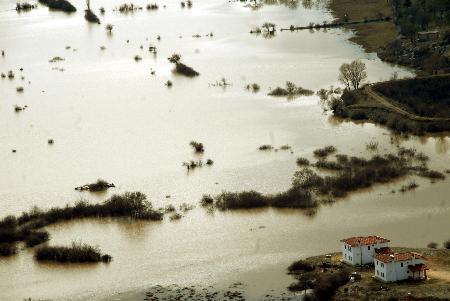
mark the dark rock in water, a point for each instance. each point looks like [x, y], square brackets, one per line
[91, 17]
[62, 5]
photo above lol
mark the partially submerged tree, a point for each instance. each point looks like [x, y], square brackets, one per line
[353, 74]
[109, 28]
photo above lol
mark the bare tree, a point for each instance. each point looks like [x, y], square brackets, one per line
[353, 74]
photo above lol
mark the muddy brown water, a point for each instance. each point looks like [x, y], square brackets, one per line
[110, 118]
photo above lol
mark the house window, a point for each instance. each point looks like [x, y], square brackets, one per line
[401, 264]
[345, 256]
[378, 273]
[368, 248]
[377, 262]
[382, 265]
[345, 247]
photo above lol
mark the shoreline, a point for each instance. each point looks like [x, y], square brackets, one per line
[370, 36]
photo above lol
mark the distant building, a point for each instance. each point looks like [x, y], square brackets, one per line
[428, 36]
[400, 266]
[361, 249]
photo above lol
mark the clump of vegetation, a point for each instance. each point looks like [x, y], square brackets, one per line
[206, 200]
[432, 245]
[175, 216]
[182, 68]
[285, 147]
[291, 90]
[89, 15]
[410, 186]
[77, 253]
[344, 175]
[324, 152]
[109, 28]
[50, 141]
[197, 146]
[11, 74]
[446, 244]
[209, 162]
[128, 8]
[35, 238]
[137, 58]
[25, 6]
[62, 5]
[223, 82]
[102, 10]
[192, 164]
[169, 83]
[18, 109]
[253, 87]
[302, 162]
[265, 147]
[301, 265]
[152, 6]
[100, 185]
[19, 89]
[56, 59]
[7, 249]
[372, 145]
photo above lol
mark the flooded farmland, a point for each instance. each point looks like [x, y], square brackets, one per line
[110, 118]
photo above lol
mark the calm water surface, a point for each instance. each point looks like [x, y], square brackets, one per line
[111, 119]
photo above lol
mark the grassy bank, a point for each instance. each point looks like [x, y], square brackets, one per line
[371, 36]
[417, 106]
[309, 273]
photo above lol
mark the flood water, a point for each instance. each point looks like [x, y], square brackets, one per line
[110, 118]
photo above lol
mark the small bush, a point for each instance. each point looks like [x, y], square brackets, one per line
[324, 152]
[301, 265]
[432, 245]
[197, 146]
[77, 253]
[7, 249]
[447, 244]
[36, 238]
[265, 147]
[206, 200]
[185, 70]
[302, 162]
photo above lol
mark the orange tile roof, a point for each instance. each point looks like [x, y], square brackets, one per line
[384, 250]
[398, 257]
[364, 240]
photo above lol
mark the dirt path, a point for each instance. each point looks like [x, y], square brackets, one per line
[390, 104]
[443, 275]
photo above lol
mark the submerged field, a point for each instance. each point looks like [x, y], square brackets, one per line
[96, 105]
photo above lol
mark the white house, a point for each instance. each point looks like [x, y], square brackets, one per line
[361, 249]
[400, 266]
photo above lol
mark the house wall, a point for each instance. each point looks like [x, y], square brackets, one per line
[395, 271]
[352, 255]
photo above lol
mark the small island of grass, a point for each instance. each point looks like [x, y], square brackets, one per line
[62, 5]
[77, 253]
[291, 90]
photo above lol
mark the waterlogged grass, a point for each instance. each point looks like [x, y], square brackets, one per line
[291, 90]
[339, 176]
[77, 253]
[24, 228]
